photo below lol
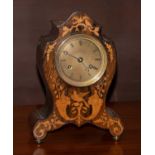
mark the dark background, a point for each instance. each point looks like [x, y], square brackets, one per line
[120, 20]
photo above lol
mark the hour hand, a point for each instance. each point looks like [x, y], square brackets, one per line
[67, 53]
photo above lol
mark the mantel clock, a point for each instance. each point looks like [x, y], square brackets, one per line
[76, 62]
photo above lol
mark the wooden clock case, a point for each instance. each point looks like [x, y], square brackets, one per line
[68, 104]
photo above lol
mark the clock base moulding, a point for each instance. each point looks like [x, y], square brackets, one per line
[69, 104]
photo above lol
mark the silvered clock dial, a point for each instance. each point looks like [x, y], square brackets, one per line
[81, 60]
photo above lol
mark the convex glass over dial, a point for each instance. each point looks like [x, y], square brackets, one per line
[81, 60]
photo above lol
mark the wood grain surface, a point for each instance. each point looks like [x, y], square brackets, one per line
[120, 20]
[88, 139]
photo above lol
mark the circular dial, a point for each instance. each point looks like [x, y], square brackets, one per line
[81, 60]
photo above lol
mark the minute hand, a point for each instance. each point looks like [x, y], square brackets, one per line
[85, 66]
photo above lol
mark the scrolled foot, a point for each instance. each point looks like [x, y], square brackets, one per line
[116, 128]
[109, 120]
[40, 130]
[42, 127]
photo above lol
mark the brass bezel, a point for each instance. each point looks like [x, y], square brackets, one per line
[102, 68]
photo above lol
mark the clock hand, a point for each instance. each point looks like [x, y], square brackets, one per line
[87, 68]
[66, 53]
[80, 60]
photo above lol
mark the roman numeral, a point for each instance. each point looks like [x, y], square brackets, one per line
[80, 42]
[71, 45]
[97, 59]
[95, 50]
[63, 60]
[71, 75]
[89, 74]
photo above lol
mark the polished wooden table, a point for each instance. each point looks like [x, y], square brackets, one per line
[87, 140]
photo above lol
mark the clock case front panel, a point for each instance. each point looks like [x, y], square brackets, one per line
[68, 104]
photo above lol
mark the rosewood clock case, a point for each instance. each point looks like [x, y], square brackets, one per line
[69, 104]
